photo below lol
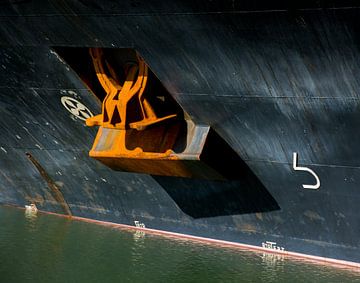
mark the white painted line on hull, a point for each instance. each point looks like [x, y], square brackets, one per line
[298, 168]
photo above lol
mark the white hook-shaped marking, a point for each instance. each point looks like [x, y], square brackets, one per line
[298, 168]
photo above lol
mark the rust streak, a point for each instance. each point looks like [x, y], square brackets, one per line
[55, 191]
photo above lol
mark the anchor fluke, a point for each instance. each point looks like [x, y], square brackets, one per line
[134, 137]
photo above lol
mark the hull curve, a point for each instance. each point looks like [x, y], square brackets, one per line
[270, 83]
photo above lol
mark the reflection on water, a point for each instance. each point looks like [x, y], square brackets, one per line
[139, 236]
[30, 220]
[46, 248]
[272, 265]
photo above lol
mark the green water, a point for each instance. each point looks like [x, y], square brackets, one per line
[47, 248]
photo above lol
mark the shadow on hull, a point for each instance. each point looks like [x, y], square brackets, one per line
[208, 198]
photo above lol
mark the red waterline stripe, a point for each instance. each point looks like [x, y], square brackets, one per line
[311, 258]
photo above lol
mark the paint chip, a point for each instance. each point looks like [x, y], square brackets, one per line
[38, 146]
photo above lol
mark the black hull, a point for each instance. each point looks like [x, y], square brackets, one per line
[270, 83]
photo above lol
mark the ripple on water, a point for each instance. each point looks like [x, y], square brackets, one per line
[47, 248]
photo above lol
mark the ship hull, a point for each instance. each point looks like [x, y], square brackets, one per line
[270, 83]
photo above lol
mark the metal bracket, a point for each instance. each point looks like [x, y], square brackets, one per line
[115, 105]
[116, 120]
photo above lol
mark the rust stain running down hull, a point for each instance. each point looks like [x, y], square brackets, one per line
[55, 191]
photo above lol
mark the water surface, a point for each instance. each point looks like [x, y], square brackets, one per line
[48, 248]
